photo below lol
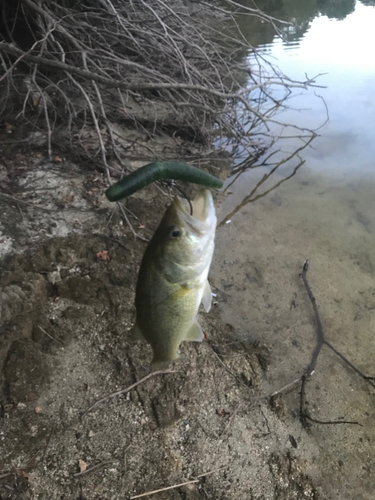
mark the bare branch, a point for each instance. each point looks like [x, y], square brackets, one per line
[154, 65]
[127, 389]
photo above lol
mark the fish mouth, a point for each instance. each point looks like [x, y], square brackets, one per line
[200, 208]
[203, 211]
[202, 204]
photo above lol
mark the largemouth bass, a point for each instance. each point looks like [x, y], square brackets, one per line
[172, 280]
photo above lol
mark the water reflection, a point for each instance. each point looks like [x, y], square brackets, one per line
[342, 52]
[273, 167]
[299, 13]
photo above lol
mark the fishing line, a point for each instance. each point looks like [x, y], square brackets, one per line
[185, 195]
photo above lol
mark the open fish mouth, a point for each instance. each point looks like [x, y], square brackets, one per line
[203, 209]
[202, 204]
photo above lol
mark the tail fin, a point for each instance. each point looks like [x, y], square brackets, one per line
[162, 364]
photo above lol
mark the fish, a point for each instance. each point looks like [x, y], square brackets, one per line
[172, 280]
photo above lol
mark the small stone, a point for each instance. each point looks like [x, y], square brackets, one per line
[54, 277]
[82, 465]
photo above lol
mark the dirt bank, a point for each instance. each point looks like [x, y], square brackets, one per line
[68, 274]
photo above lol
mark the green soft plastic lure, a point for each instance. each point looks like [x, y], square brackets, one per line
[160, 170]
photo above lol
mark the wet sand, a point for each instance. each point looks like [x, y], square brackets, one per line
[330, 220]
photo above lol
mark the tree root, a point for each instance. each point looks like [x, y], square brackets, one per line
[321, 341]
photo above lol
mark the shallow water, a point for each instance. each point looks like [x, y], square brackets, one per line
[326, 213]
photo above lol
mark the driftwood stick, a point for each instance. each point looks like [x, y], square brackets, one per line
[127, 389]
[369, 380]
[321, 337]
[309, 370]
[320, 332]
[321, 340]
[135, 234]
[50, 336]
[94, 468]
[153, 492]
[333, 421]
[192, 481]
[48, 441]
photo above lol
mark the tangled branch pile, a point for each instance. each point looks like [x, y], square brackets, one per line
[157, 66]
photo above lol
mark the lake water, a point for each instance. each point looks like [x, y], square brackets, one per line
[324, 212]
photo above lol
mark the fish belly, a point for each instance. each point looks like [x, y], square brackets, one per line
[167, 323]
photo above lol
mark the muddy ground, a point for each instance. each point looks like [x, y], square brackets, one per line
[68, 273]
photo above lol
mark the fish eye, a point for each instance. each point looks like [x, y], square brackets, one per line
[175, 233]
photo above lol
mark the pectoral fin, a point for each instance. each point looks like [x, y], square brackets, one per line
[195, 333]
[207, 296]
